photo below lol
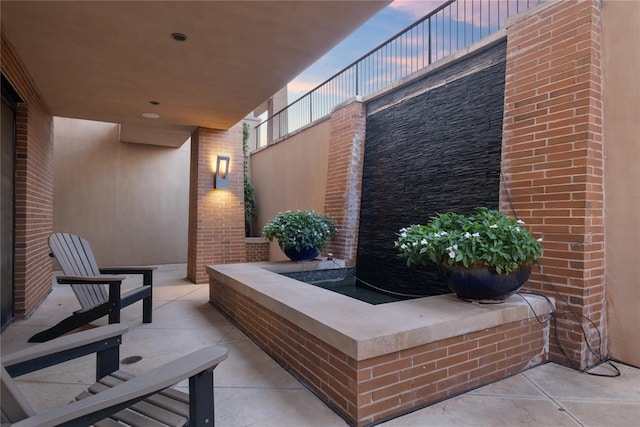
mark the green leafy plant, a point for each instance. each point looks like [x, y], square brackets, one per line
[487, 239]
[300, 229]
[250, 208]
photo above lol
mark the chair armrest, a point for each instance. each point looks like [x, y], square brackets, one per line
[98, 406]
[89, 280]
[127, 270]
[64, 348]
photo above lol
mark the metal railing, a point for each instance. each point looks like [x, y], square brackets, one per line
[452, 26]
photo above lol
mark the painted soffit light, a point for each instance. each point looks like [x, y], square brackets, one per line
[150, 115]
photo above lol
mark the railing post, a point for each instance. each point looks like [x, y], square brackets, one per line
[357, 79]
[429, 38]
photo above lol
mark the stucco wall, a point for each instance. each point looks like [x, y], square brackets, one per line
[129, 200]
[291, 175]
[621, 30]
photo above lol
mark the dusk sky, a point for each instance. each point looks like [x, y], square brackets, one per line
[462, 23]
[386, 23]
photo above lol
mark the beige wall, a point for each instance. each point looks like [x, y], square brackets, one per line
[621, 31]
[131, 201]
[290, 175]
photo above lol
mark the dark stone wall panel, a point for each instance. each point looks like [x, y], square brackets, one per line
[432, 152]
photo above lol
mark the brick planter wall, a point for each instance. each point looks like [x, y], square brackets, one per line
[257, 249]
[552, 158]
[371, 390]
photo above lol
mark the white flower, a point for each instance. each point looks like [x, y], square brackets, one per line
[521, 222]
[449, 248]
[415, 244]
[518, 229]
[540, 239]
[444, 233]
[423, 241]
[467, 235]
[403, 246]
[455, 247]
[403, 234]
[475, 235]
[493, 226]
[452, 254]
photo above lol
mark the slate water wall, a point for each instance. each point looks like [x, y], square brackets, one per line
[432, 146]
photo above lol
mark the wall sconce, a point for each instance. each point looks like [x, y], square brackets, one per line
[221, 178]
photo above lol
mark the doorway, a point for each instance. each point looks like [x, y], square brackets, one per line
[10, 101]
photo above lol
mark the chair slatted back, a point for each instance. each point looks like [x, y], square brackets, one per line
[76, 259]
[14, 406]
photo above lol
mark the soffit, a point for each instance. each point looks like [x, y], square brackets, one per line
[105, 60]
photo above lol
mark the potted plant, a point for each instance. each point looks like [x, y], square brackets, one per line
[484, 257]
[301, 234]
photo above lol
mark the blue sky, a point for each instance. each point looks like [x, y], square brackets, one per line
[385, 24]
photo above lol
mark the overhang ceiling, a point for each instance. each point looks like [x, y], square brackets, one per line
[106, 60]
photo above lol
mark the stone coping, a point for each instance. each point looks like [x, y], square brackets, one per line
[362, 330]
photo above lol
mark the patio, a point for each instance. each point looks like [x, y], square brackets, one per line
[251, 389]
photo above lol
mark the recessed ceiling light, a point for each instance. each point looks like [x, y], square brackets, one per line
[154, 103]
[150, 115]
[179, 37]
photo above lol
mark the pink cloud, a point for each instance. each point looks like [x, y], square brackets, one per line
[301, 87]
[417, 8]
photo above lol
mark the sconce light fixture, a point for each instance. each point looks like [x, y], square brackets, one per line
[221, 178]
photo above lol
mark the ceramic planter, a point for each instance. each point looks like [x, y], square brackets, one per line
[307, 254]
[483, 286]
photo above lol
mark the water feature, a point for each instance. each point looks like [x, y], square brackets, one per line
[344, 281]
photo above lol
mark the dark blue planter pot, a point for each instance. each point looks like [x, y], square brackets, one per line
[307, 254]
[481, 285]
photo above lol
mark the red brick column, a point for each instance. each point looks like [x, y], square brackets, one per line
[552, 158]
[344, 178]
[216, 217]
[33, 188]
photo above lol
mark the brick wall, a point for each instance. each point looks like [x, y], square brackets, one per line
[33, 187]
[216, 217]
[372, 390]
[344, 176]
[552, 157]
[257, 249]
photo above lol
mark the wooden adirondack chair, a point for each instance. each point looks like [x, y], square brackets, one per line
[117, 397]
[97, 289]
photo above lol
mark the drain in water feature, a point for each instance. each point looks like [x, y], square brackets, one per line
[131, 360]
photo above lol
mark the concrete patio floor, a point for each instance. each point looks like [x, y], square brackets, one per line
[252, 390]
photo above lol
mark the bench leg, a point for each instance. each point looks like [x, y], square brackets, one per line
[201, 413]
[107, 361]
[147, 302]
